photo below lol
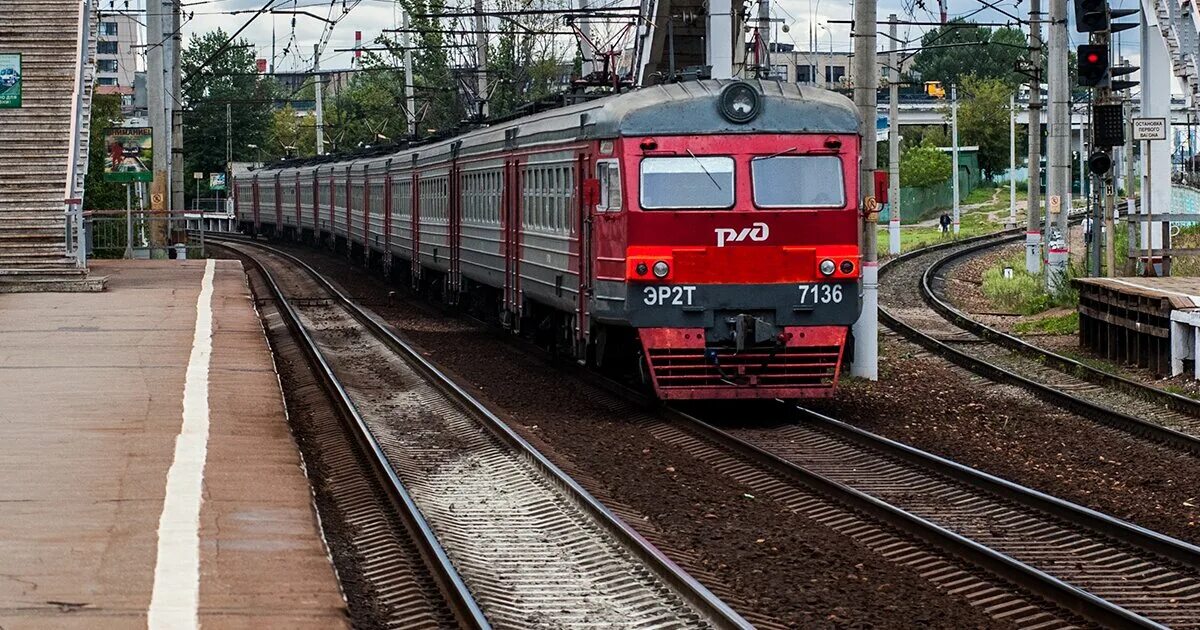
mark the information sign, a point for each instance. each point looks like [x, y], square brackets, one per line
[128, 154]
[10, 80]
[1149, 128]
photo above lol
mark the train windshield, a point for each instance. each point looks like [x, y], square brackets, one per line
[687, 182]
[798, 181]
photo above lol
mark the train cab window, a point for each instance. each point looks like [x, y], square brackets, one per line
[609, 174]
[687, 182]
[798, 181]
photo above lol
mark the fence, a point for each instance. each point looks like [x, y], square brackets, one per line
[146, 235]
[918, 204]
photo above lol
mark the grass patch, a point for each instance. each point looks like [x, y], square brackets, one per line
[1056, 325]
[915, 237]
[1025, 293]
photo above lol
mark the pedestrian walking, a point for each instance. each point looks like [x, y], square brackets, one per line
[944, 221]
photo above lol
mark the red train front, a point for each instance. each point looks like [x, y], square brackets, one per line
[733, 249]
[702, 236]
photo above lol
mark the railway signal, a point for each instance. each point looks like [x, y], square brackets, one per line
[1096, 71]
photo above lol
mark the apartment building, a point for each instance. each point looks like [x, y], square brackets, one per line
[117, 54]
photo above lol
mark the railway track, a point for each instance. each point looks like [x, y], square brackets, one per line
[514, 541]
[1106, 570]
[1017, 554]
[913, 286]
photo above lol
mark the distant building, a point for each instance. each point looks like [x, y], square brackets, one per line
[827, 69]
[294, 84]
[117, 54]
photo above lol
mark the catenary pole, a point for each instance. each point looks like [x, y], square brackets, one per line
[893, 141]
[866, 84]
[954, 154]
[1033, 209]
[318, 89]
[176, 104]
[156, 111]
[1012, 161]
[410, 102]
[481, 59]
[1058, 147]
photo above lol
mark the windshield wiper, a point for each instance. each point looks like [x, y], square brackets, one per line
[701, 165]
[777, 154]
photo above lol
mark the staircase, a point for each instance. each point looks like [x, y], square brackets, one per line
[43, 145]
[1178, 22]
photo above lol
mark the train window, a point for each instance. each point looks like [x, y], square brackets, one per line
[687, 182]
[798, 181]
[609, 175]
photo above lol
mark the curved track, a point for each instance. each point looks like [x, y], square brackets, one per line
[1104, 569]
[912, 287]
[521, 542]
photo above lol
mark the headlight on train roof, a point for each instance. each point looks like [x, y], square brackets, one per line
[827, 267]
[740, 102]
[661, 269]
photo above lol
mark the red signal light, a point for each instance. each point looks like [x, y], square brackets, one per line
[1093, 58]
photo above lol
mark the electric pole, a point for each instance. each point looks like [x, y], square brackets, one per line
[893, 141]
[1058, 149]
[1012, 161]
[1033, 210]
[176, 105]
[318, 90]
[410, 102]
[481, 60]
[954, 153]
[156, 106]
[764, 36]
[866, 85]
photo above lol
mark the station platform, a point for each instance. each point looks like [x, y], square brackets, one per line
[1153, 323]
[147, 473]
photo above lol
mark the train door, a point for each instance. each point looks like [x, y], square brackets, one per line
[387, 217]
[366, 218]
[415, 199]
[278, 206]
[586, 193]
[349, 195]
[254, 203]
[316, 204]
[296, 234]
[332, 205]
[511, 209]
[454, 282]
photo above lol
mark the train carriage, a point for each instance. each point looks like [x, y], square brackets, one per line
[705, 233]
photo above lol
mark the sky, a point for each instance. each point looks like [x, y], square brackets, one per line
[371, 16]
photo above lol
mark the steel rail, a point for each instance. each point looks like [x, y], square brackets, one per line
[696, 594]
[1183, 404]
[1052, 589]
[451, 584]
[1085, 408]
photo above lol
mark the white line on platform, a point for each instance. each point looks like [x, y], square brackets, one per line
[175, 602]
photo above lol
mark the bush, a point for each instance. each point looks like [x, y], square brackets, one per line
[924, 166]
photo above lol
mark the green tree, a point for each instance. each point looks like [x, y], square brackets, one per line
[99, 194]
[960, 49]
[983, 121]
[290, 129]
[369, 110]
[924, 166]
[231, 77]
